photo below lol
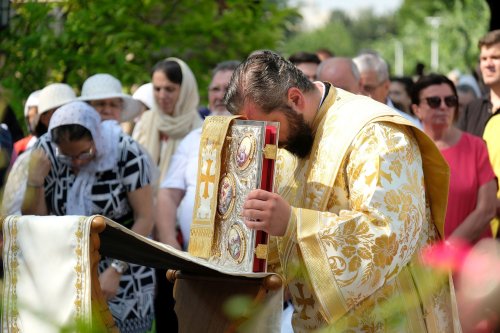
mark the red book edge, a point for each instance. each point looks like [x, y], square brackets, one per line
[266, 183]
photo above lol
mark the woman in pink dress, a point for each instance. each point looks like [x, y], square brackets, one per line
[472, 193]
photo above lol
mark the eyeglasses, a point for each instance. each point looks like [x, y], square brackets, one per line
[65, 159]
[435, 101]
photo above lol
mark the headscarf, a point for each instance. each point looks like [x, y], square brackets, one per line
[145, 94]
[31, 101]
[176, 126]
[106, 136]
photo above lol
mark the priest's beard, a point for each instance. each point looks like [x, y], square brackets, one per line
[300, 134]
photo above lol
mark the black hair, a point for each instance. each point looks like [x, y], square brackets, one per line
[406, 81]
[301, 57]
[264, 78]
[171, 69]
[69, 133]
[429, 80]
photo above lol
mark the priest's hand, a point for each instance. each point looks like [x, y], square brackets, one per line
[266, 211]
[109, 281]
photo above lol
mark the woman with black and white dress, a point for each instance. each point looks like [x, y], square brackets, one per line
[83, 166]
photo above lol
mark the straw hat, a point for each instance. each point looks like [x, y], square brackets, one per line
[31, 101]
[53, 96]
[104, 86]
[145, 94]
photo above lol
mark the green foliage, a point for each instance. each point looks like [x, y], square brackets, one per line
[71, 40]
[463, 22]
[333, 36]
[238, 306]
[342, 34]
[426, 7]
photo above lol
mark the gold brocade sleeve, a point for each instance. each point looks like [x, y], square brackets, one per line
[372, 227]
[286, 243]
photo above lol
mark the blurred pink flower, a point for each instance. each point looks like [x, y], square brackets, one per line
[446, 255]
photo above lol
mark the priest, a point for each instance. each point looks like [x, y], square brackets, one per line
[360, 191]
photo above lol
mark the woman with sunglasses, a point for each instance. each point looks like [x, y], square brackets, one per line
[472, 193]
[83, 166]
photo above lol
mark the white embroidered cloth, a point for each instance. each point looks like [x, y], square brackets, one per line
[46, 273]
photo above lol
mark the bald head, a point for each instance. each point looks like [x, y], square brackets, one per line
[341, 72]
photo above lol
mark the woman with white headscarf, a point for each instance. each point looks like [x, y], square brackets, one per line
[174, 113]
[83, 166]
[47, 101]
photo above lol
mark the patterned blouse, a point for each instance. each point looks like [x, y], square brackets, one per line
[109, 192]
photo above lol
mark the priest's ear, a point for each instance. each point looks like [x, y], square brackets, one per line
[296, 99]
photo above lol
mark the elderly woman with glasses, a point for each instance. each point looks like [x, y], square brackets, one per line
[471, 197]
[83, 166]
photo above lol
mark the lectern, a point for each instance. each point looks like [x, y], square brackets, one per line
[201, 289]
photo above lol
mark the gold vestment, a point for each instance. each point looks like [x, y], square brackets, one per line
[369, 197]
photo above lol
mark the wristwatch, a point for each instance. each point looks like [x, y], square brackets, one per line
[120, 266]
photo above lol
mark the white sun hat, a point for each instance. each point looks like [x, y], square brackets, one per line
[53, 96]
[104, 86]
[145, 94]
[32, 101]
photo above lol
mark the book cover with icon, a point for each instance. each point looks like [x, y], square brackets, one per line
[236, 156]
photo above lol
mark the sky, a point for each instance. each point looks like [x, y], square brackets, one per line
[316, 12]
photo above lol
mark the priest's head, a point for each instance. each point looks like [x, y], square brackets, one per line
[268, 87]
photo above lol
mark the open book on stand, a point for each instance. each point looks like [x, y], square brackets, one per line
[236, 156]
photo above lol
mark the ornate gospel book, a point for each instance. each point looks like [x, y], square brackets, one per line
[235, 157]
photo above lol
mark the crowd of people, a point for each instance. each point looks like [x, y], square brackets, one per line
[372, 170]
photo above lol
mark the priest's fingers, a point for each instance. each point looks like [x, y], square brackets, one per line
[259, 194]
[255, 225]
[270, 209]
[256, 204]
[255, 215]
[272, 227]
